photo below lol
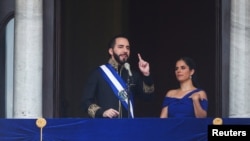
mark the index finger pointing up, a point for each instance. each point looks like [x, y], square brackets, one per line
[139, 56]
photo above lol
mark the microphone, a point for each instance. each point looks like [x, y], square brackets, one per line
[127, 67]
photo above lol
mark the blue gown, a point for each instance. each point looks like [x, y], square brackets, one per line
[182, 107]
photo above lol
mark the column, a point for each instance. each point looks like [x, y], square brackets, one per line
[239, 92]
[28, 59]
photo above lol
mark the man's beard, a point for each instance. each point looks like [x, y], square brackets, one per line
[118, 60]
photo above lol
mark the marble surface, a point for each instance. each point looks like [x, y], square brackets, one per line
[28, 59]
[239, 100]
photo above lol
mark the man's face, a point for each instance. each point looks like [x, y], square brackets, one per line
[121, 50]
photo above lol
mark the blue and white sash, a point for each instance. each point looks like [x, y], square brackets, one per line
[118, 86]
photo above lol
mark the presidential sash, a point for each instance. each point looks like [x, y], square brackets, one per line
[118, 86]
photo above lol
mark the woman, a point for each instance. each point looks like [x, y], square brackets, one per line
[188, 100]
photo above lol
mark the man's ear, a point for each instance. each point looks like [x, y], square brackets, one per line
[111, 51]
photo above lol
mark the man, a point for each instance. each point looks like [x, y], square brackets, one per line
[110, 89]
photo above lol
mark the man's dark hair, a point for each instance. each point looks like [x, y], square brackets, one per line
[111, 43]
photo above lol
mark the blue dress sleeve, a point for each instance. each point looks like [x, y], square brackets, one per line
[166, 101]
[204, 104]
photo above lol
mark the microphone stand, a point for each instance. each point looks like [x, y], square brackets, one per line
[128, 92]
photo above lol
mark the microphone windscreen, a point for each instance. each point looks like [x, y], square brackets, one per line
[127, 66]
